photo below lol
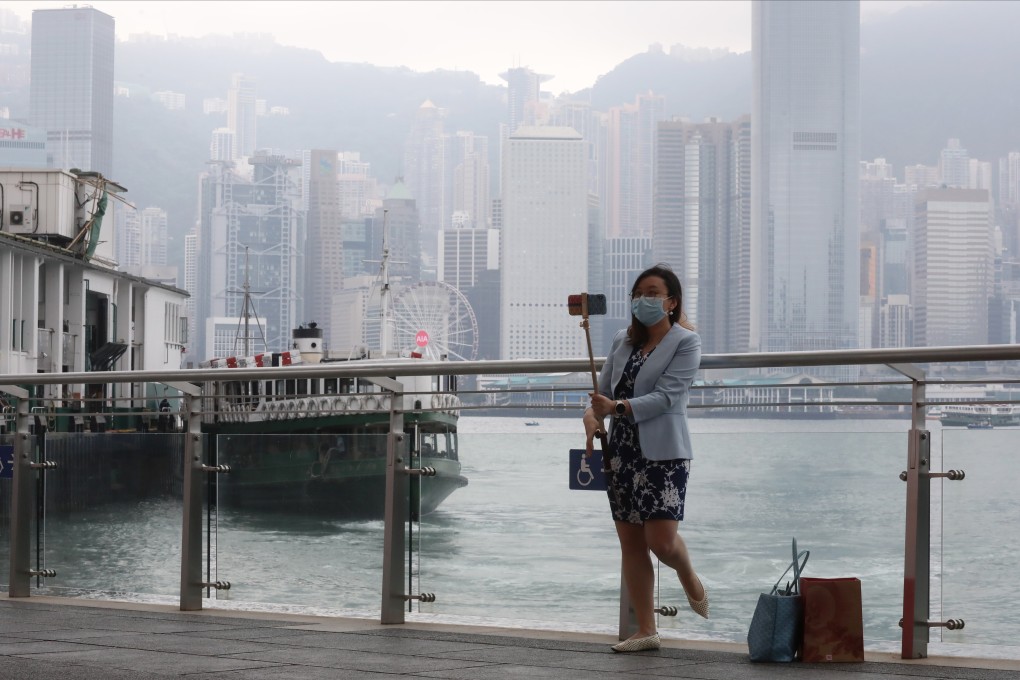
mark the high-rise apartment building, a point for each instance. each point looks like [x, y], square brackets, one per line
[594, 128]
[71, 92]
[153, 225]
[241, 114]
[805, 154]
[467, 167]
[251, 230]
[425, 170]
[702, 224]
[128, 230]
[222, 146]
[954, 165]
[952, 267]
[630, 165]
[545, 236]
[359, 190]
[324, 253]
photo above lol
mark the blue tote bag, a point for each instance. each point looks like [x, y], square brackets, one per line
[777, 625]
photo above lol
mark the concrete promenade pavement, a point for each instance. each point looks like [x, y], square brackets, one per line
[60, 639]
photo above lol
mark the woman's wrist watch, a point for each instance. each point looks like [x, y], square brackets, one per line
[620, 408]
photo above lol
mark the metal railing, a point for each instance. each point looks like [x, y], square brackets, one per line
[197, 386]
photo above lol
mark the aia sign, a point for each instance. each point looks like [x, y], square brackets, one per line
[12, 133]
[422, 338]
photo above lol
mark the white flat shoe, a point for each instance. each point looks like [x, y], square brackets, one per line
[641, 644]
[700, 607]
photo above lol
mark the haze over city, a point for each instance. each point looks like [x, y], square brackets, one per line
[574, 42]
[498, 142]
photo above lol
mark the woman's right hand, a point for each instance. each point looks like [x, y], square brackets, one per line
[592, 428]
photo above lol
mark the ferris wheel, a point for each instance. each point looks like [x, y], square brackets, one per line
[437, 320]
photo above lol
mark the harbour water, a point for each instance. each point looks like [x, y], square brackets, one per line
[517, 548]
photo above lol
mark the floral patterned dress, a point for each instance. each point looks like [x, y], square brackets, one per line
[641, 489]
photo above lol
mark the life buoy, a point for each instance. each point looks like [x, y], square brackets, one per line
[324, 405]
[339, 404]
[437, 401]
[371, 403]
[384, 402]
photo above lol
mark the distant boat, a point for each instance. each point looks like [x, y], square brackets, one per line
[980, 425]
[531, 422]
[993, 415]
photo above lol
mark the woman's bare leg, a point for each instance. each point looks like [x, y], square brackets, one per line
[662, 539]
[639, 575]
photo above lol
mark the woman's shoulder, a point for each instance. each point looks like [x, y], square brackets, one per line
[686, 336]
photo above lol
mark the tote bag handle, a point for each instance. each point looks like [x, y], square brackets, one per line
[798, 566]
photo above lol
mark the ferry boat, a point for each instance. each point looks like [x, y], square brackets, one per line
[319, 444]
[965, 415]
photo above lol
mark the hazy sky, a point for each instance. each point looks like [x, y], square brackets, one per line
[575, 41]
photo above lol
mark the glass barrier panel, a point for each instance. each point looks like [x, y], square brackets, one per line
[298, 521]
[516, 545]
[978, 515]
[110, 516]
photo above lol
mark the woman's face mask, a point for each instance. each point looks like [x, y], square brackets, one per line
[648, 310]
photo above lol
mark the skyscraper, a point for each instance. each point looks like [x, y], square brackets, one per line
[425, 170]
[153, 224]
[241, 114]
[71, 94]
[954, 165]
[545, 242]
[524, 88]
[702, 224]
[324, 270]
[952, 267]
[250, 230]
[805, 154]
[467, 183]
[630, 165]
[221, 148]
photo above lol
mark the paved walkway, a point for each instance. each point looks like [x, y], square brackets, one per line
[55, 639]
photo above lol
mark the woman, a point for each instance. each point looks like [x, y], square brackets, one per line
[645, 386]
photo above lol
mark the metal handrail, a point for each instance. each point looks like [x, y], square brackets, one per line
[354, 369]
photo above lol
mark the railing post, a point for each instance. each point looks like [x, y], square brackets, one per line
[917, 542]
[628, 619]
[22, 499]
[397, 498]
[194, 485]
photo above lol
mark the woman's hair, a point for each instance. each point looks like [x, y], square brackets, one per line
[637, 332]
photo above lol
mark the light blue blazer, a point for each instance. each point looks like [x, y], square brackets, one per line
[661, 391]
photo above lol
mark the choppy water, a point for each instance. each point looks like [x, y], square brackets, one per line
[516, 548]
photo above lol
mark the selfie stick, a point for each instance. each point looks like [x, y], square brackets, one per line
[600, 433]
